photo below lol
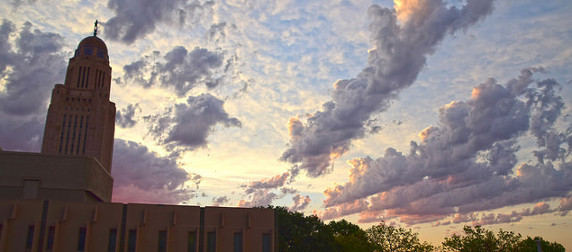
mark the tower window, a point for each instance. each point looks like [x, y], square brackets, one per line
[79, 76]
[85, 134]
[73, 134]
[79, 134]
[68, 136]
[87, 78]
[62, 134]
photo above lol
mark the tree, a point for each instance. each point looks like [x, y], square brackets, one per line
[350, 237]
[388, 238]
[297, 232]
[477, 239]
[529, 245]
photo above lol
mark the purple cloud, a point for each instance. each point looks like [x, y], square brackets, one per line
[402, 42]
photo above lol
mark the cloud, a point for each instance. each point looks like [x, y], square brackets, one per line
[262, 193]
[466, 162]
[259, 198]
[218, 31]
[269, 183]
[188, 124]
[222, 200]
[140, 175]
[180, 69]
[399, 54]
[565, 205]
[499, 218]
[300, 203]
[134, 19]
[124, 117]
[31, 62]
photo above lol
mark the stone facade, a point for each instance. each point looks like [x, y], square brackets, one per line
[26, 175]
[81, 119]
[60, 199]
[42, 225]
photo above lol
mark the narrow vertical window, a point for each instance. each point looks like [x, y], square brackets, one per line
[266, 242]
[132, 240]
[162, 241]
[103, 80]
[83, 77]
[73, 134]
[87, 78]
[81, 239]
[30, 238]
[192, 241]
[238, 242]
[85, 134]
[68, 136]
[50, 241]
[79, 76]
[79, 134]
[62, 134]
[96, 77]
[211, 242]
[112, 240]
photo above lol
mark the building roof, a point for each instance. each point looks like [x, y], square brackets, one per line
[93, 41]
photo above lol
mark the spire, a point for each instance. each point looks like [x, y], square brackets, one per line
[95, 29]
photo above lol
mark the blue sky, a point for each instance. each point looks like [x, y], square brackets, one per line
[314, 105]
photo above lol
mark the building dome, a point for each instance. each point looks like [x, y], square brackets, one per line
[93, 41]
[92, 45]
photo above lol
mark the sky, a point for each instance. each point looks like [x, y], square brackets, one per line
[427, 114]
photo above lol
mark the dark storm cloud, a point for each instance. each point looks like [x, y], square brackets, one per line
[135, 19]
[143, 176]
[466, 162]
[189, 124]
[125, 117]
[179, 69]
[29, 67]
[399, 54]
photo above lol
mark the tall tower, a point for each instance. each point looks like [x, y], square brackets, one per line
[81, 119]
